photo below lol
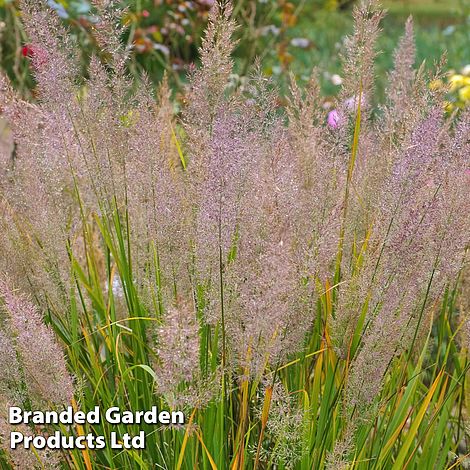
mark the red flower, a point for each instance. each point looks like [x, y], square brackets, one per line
[27, 51]
[38, 55]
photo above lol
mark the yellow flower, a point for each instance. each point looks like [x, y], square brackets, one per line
[464, 93]
[456, 81]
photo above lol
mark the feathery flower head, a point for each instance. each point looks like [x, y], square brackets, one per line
[178, 354]
[41, 358]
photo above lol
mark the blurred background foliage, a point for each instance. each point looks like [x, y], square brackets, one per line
[285, 35]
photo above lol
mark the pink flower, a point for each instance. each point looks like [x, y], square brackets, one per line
[335, 119]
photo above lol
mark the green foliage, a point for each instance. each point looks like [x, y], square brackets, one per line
[166, 37]
[418, 424]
